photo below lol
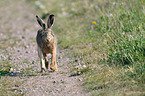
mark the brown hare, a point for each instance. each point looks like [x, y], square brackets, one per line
[47, 43]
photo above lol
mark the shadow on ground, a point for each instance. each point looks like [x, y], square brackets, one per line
[22, 74]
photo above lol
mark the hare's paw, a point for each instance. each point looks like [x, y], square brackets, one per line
[42, 70]
[56, 69]
[52, 68]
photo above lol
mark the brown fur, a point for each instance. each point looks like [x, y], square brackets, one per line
[47, 43]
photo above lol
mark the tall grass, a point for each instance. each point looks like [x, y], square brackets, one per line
[105, 35]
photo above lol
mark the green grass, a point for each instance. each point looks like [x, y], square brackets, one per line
[108, 37]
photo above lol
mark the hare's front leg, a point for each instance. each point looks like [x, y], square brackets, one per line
[46, 61]
[42, 62]
[53, 60]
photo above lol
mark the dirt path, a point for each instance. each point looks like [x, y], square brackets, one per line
[18, 30]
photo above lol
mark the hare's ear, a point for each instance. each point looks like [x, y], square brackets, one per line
[50, 21]
[41, 22]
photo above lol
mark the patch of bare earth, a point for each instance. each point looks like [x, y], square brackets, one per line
[19, 26]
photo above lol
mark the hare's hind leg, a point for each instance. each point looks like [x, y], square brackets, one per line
[46, 61]
[53, 60]
[42, 62]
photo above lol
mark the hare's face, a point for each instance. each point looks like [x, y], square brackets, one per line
[46, 31]
[47, 37]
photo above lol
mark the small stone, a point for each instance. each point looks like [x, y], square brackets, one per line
[10, 58]
[32, 62]
[78, 73]
[16, 85]
[59, 57]
[26, 46]
[21, 91]
[11, 70]
[84, 66]
[27, 51]
[23, 37]
[80, 79]
[76, 60]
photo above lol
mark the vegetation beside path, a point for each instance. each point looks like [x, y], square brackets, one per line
[107, 39]
[103, 39]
